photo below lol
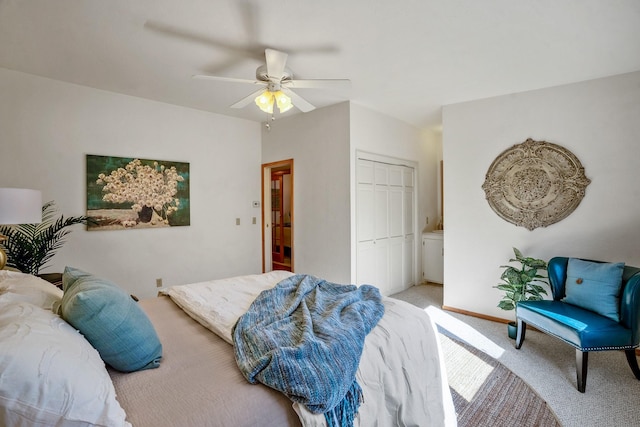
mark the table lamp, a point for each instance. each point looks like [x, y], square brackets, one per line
[18, 206]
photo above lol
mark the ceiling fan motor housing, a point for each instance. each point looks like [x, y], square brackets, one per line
[263, 76]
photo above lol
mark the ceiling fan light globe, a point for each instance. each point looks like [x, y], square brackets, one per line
[283, 101]
[285, 109]
[264, 101]
[268, 109]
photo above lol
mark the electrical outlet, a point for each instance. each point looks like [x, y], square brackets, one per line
[237, 221]
[158, 283]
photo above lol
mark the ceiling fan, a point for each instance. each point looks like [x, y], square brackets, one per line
[277, 85]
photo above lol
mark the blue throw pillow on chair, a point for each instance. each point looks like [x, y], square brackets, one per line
[594, 286]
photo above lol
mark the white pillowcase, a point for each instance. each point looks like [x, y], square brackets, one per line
[16, 286]
[50, 375]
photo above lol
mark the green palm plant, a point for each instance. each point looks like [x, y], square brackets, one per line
[30, 247]
[522, 283]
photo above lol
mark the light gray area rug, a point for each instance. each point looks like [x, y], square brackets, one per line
[547, 365]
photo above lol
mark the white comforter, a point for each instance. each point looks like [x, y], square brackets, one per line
[401, 369]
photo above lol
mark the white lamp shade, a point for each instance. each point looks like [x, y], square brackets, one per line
[20, 206]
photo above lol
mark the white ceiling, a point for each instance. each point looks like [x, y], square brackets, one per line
[405, 58]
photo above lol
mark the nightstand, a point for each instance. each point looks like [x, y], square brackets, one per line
[55, 278]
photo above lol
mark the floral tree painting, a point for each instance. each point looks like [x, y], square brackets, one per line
[125, 193]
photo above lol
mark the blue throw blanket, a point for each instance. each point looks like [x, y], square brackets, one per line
[304, 337]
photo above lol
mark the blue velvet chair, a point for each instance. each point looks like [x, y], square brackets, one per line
[584, 329]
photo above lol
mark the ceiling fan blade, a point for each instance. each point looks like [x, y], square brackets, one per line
[299, 101]
[247, 99]
[192, 36]
[214, 68]
[319, 84]
[226, 79]
[250, 17]
[276, 62]
[309, 49]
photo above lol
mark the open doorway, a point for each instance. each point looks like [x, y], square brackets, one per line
[277, 216]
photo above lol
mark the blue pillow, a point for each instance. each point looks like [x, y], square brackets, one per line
[110, 320]
[594, 286]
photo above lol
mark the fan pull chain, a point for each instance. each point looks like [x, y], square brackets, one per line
[267, 124]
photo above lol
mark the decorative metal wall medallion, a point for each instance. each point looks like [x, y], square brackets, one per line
[535, 184]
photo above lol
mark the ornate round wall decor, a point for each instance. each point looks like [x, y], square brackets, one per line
[535, 184]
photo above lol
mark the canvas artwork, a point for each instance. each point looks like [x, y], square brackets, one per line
[127, 193]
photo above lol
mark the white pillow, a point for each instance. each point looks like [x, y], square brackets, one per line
[16, 286]
[218, 304]
[50, 375]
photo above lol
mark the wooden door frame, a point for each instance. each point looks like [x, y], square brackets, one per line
[266, 216]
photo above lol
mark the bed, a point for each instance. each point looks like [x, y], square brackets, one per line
[196, 381]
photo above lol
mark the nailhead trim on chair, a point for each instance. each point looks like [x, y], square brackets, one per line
[626, 347]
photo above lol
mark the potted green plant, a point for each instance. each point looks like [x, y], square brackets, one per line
[521, 283]
[30, 246]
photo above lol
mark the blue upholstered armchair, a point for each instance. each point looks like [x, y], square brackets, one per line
[595, 307]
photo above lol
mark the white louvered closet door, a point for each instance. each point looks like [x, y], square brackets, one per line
[385, 235]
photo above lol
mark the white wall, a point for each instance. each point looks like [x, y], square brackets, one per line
[47, 129]
[323, 144]
[318, 143]
[429, 196]
[599, 121]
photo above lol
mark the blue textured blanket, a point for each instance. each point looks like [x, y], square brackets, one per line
[304, 337]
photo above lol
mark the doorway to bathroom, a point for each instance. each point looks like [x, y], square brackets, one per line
[277, 215]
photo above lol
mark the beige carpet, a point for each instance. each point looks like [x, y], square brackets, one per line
[485, 393]
[547, 365]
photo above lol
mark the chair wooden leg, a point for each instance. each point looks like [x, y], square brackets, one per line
[522, 330]
[582, 362]
[633, 362]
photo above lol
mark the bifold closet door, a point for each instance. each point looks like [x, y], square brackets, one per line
[384, 226]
